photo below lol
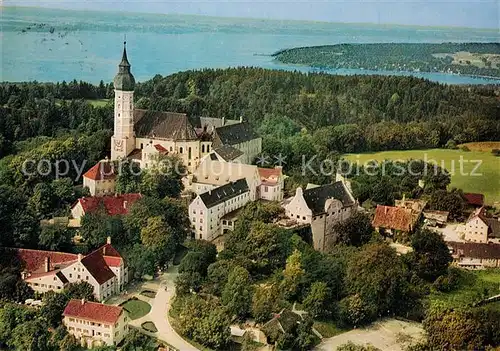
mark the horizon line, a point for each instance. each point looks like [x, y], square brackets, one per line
[453, 27]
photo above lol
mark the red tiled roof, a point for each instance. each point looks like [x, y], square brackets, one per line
[34, 260]
[98, 262]
[269, 175]
[111, 256]
[92, 311]
[160, 148]
[96, 265]
[474, 199]
[102, 170]
[475, 250]
[390, 217]
[114, 205]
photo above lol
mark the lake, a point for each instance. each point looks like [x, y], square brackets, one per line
[56, 45]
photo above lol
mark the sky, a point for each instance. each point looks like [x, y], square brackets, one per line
[462, 13]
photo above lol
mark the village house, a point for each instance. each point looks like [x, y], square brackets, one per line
[475, 255]
[416, 206]
[474, 199]
[272, 184]
[113, 205]
[321, 207]
[103, 268]
[100, 179]
[95, 324]
[481, 229]
[392, 220]
[207, 210]
[142, 135]
[436, 218]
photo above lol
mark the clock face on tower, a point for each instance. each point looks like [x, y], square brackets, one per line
[118, 145]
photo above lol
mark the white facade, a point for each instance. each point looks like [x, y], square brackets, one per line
[322, 219]
[123, 140]
[212, 174]
[99, 187]
[92, 332]
[207, 221]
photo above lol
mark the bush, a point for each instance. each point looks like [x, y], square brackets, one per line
[451, 144]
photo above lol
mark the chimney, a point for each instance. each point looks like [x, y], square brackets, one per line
[108, 240]
[83, 301]
[223, 121]
[241, 119]
[80, 256]
[125, 204]
[404, 197]
[47, 264]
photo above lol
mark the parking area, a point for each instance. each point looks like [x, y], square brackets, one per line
[387, 335]
[451, 232]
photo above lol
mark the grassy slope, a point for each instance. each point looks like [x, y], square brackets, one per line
[488, 183]
[473, 285]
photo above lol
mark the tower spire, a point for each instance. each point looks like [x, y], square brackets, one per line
[124, 62]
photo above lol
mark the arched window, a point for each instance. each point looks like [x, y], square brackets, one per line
[189, 153]
[208, 148]
[180, 150]
[203, 148]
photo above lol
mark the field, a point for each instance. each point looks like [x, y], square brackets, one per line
[484, 179]
[484, 146]
[473, 286]
[99, 102]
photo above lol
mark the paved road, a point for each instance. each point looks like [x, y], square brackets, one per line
[159, 311]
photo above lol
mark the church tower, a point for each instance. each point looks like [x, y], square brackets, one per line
[123, 139]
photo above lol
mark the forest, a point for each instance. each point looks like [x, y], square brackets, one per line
[473, 59]
[296, 114]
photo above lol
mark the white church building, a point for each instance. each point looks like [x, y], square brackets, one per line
[143, 134]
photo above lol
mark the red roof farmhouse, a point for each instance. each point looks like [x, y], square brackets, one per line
[94, 323]
[103, 268]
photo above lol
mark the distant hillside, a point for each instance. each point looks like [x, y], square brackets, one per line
[474, 59]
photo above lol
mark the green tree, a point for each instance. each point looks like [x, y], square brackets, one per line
[266, 300]
[55, 238]
[376, 274]
[356, 230]
[129, 177]
[164, 179]
[237, 293]
[292, 275]
[430, 256]
[140, 260]
[42, 200]
[316, 301]
[217, 274]
[31, 336]
[452, 329]
[160, 238]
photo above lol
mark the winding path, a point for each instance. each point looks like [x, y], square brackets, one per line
[159, 313]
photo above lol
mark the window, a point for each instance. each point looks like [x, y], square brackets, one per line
[208, 148]
[224, 222]
[180, 150]
[201, 228]
[70, 275]
[194, 211]
[266, 189]
[116, 334]
[78, 276]
[201, 237]
[55, 278]
[106, 335]
[71, 319]
[201, 220]
[203, 148]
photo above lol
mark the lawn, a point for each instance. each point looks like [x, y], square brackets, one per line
[327, 329]
[473, 287]
[149, 326]
[98, 102]
[136, 308]
[484, 179]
